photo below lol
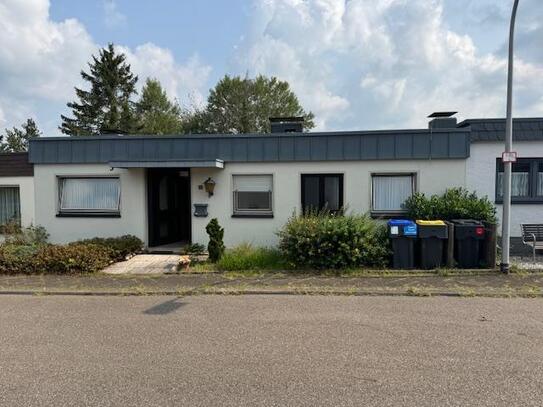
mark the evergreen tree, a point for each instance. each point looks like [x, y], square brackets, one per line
[244, 105]
[106, 107]
[16, 140]
[156, 114]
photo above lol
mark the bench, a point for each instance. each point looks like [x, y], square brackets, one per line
[532, 235]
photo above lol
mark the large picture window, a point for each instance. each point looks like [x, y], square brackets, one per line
[89, 196]
[10, 205]
[526, 180]
[322, 192]
[253, 195]
[390, 191]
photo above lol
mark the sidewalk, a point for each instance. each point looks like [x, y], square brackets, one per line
[490, 284]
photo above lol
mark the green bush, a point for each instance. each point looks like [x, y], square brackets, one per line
[121, 247]
[54, 259]
[215, 246]
[246, 257]
[455, 203]
[73, 258]
[194, 249]
[326, 241]
[32, 235]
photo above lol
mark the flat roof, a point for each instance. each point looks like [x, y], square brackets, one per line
[273, 147]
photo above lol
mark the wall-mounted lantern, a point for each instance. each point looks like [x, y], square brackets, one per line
[209, 186]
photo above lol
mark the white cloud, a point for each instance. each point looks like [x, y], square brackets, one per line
[41, 60]
[113, 18]
[366, 63]
[180, 81]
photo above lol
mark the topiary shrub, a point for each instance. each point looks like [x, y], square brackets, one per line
[121, 247]
[215, 247]
[326, 241]
[455, 203]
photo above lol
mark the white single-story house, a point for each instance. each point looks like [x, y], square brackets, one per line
[165, 189]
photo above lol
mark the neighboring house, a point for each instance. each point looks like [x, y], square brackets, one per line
[156, 187]
[16, 189]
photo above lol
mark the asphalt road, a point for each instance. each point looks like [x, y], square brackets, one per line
[270, 350]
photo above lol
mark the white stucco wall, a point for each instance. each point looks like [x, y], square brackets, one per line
[481, 177]
[26, 195]
[133, 218]
[432, 177]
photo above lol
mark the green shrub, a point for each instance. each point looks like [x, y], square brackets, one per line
[73, 258]
[455, 203]
[194, 249]
[246, 257]
[54, 259]
[32, 235]
[121, 247]
[326, 241]
[215, 247]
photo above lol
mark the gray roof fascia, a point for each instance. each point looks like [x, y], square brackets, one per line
[272, 147]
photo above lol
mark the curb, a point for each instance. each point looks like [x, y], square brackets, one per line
[196, 292]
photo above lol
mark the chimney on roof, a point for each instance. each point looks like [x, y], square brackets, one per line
[287, 124]
[442, 120]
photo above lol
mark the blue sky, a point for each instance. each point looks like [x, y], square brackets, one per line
[357, 64]
[209, 28]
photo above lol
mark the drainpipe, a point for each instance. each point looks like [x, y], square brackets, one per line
[506, 219]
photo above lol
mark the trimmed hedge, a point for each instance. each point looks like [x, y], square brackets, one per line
[121, 247]
[326, 241]
[19, 255]
[455, 203]
[53, 259]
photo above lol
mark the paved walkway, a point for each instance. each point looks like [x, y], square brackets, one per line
[145, 264]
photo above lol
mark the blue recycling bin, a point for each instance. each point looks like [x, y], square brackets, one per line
[403, 235]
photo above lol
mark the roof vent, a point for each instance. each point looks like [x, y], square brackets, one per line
[287, 124]
[442, 120]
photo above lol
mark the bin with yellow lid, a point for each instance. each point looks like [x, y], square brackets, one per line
[431, 234]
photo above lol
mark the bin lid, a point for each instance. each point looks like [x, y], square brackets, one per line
[467, 222]
[400, 222]
[430, 222]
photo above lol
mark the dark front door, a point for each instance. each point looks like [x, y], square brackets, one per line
[168, 206]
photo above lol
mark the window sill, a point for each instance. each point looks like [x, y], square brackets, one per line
[253, 215]
[387, 215]
[88, 215]
[536, 201]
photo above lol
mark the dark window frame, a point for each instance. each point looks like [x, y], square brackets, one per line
[86, 213]
[385, 214]
[532, 197]
[321, 177]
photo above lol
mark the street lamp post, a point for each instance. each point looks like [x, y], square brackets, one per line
[507, 157]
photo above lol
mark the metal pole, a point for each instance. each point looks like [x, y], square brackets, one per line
[506, 219]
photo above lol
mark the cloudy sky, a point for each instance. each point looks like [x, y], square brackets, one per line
[357, 64]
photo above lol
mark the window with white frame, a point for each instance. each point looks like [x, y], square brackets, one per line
[253, 195]
[10, 205]
[389, 192]
[89, 195]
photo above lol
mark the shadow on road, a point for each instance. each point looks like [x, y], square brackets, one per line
[164, 308]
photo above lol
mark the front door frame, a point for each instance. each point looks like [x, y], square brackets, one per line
[152, 235]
